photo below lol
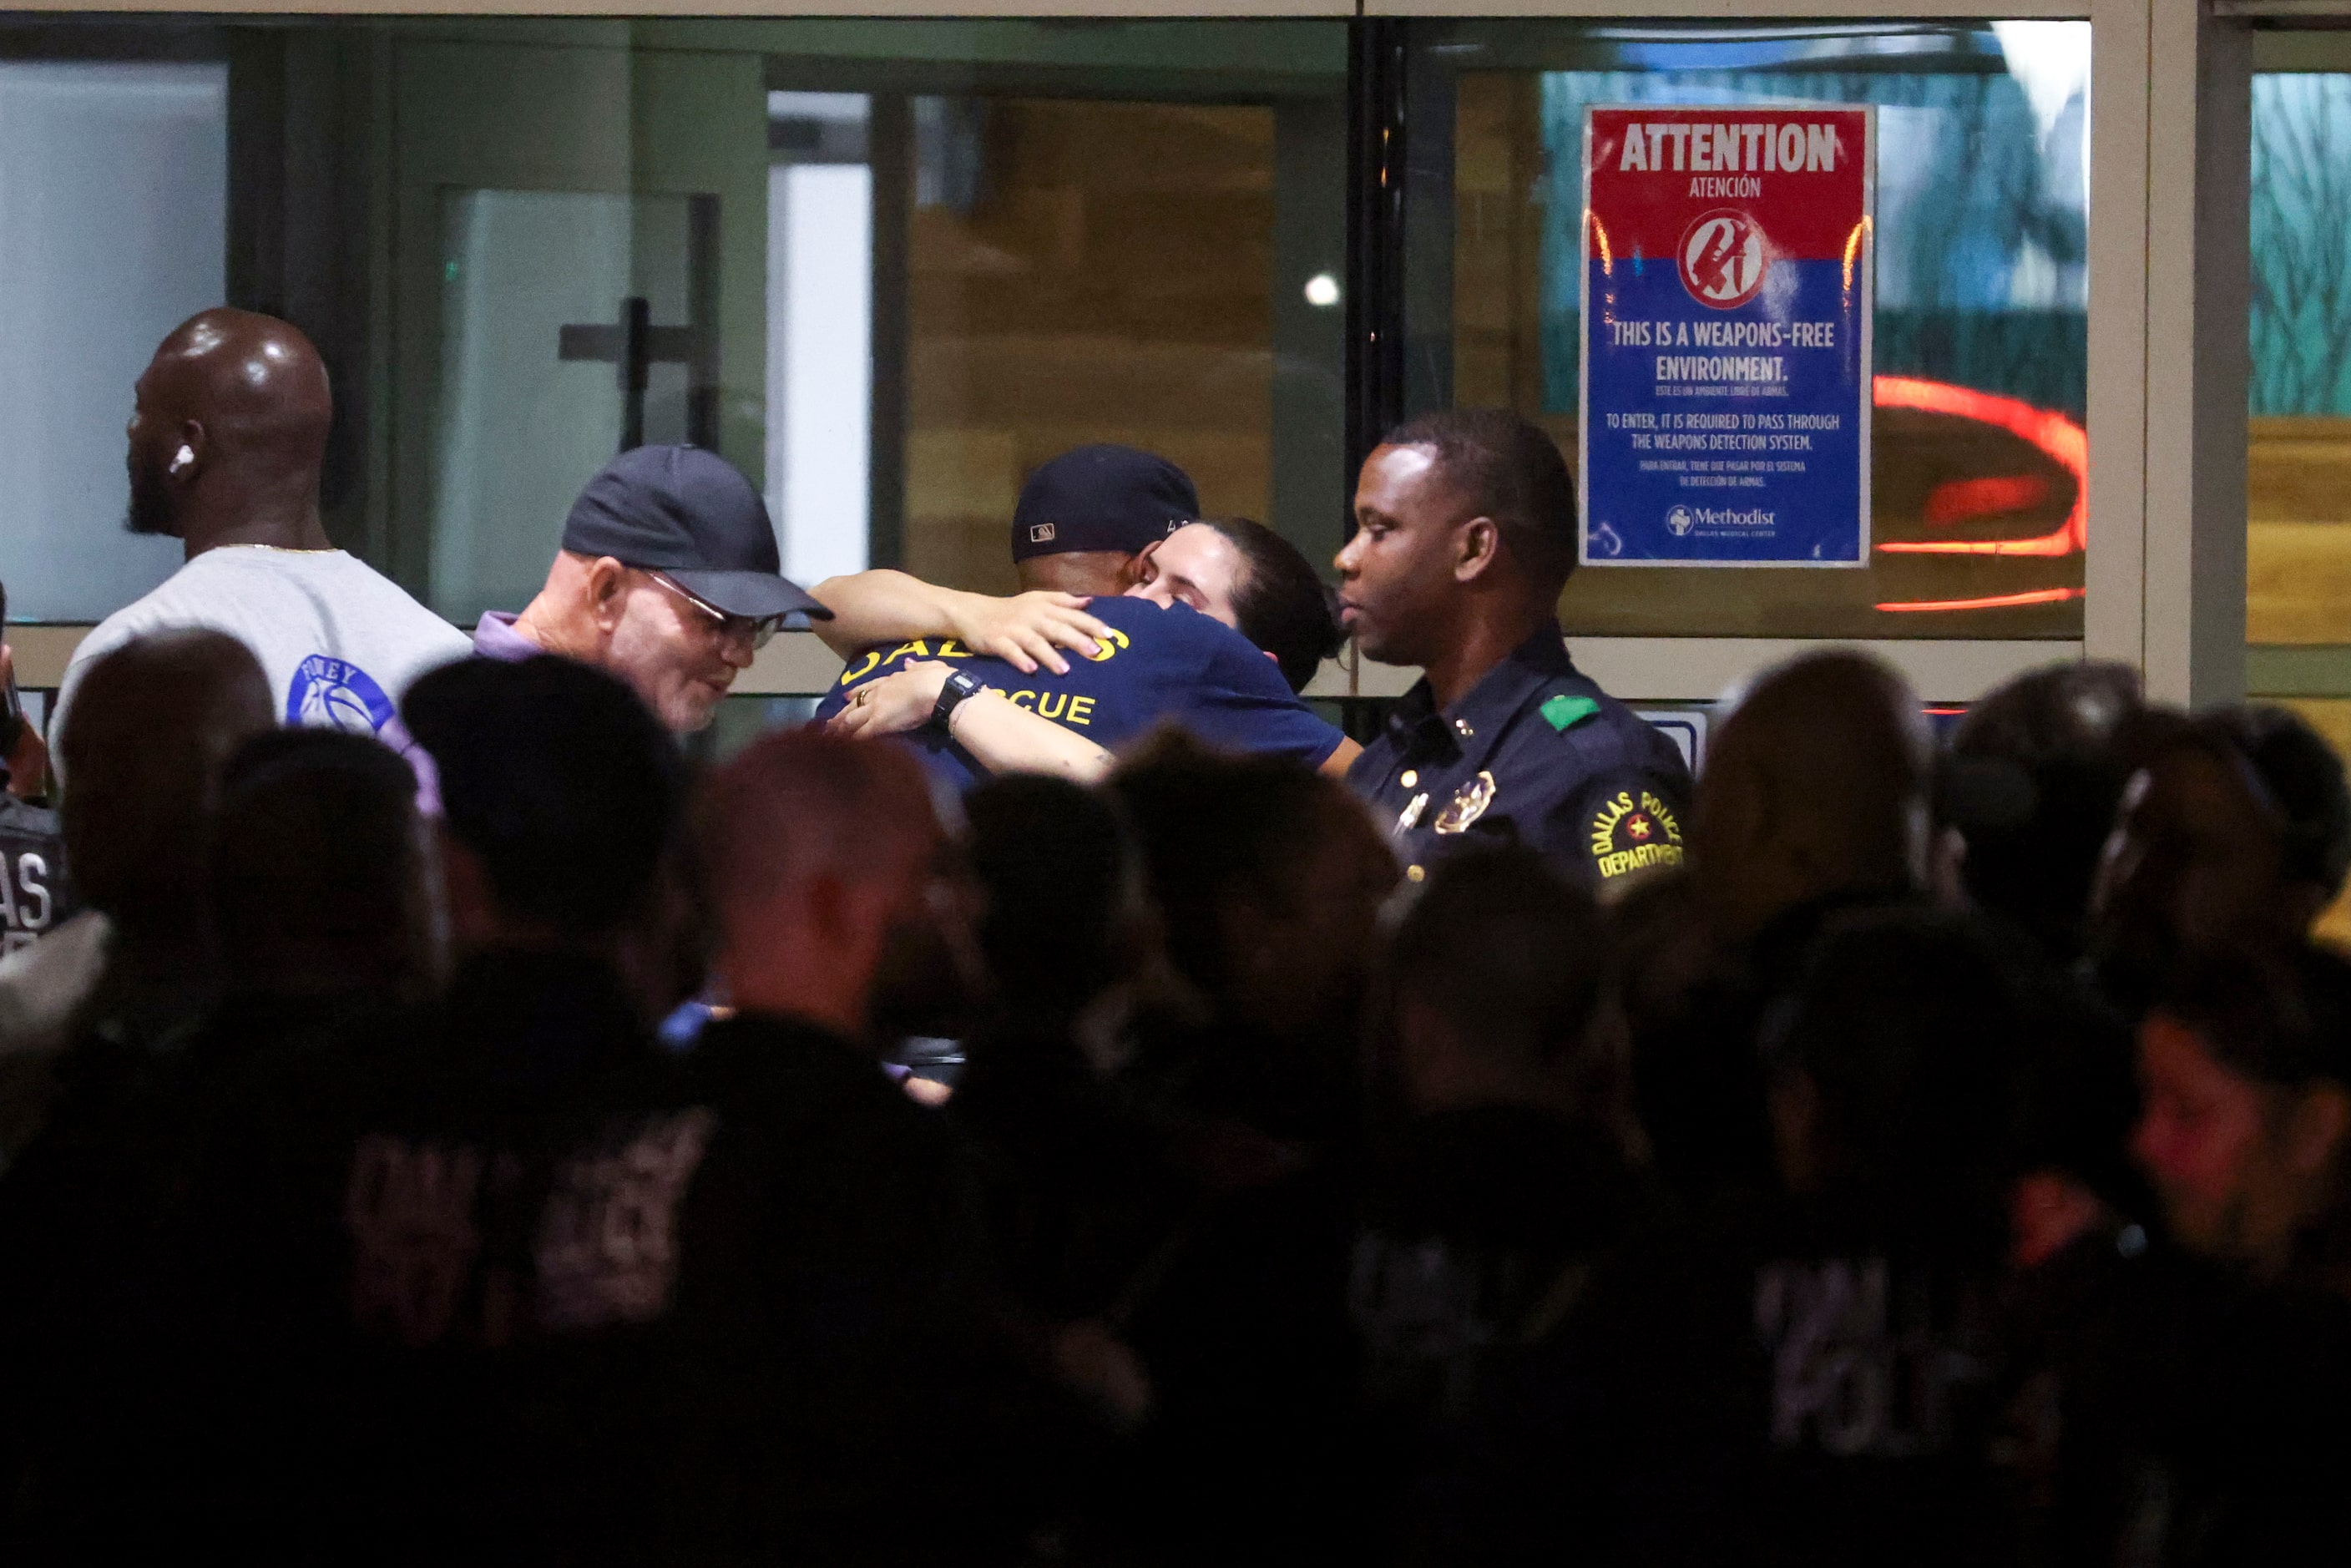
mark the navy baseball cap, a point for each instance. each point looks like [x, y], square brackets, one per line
[685, 513]
[1101, 498]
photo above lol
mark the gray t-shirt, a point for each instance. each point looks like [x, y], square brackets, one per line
[341, 643]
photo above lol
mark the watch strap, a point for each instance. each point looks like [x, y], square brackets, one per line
[959, 686]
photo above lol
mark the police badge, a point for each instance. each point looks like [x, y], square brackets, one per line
[1469, 804]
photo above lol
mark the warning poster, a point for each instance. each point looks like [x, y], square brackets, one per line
[1726, 363]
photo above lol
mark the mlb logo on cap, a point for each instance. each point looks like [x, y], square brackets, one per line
[1042, 533]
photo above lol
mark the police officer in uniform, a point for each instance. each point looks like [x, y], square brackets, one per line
[1465, 534]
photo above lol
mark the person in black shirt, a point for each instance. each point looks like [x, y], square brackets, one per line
[2235, 829]
[2030, 787]
[2246, 1134]
[2026, 797]
[1806, 1377]
[431, 1253]
[1270, 879]
[2029, 792]
[36, 897]
[2304, 779]
[1078, 1191]
[318, 903]
[1465, 534]
[1504, 1179]
[36, 894]
[146, 757]
[837, 1389]
[1814, 798]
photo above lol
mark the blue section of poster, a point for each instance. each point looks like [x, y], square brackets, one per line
[1728, 437]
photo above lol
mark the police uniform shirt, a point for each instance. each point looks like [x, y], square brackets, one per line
[1171, 664]
[1537, 753]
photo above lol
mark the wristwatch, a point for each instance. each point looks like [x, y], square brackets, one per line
[951, 696]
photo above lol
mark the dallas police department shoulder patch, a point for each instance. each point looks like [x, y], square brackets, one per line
[1633, 831]
[1565, 712]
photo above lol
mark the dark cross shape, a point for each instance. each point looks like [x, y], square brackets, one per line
[633, 347]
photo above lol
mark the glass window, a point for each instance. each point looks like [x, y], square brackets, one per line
[113, 223]
[1089, 270]
[2298, 456]
[1981, 325]
[884, 267]
[2298, 460]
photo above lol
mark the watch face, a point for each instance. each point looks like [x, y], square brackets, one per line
[958, 687]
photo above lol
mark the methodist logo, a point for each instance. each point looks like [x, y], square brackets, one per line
[1681, 520]
[1723, 262]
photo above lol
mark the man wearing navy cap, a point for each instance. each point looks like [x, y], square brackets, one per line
[1079, 531]
[669, 577]
[1084, 517]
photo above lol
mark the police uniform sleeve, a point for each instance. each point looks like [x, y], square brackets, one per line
[1241, 703]
[1624, 816]
[1628, 821]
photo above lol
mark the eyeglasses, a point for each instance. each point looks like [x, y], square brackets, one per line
[760, 631]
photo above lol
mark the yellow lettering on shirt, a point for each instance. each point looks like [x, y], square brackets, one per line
[865, 667]
[1604, 824]
[1051, 705]
[1016, 697]
[1079, 709]
[919, 648]
[1622, 861]
[951, 648]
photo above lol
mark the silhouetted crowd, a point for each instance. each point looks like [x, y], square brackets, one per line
[523, 1150]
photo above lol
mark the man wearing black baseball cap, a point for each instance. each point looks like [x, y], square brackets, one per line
[1084, 517]
[1079, 531]
[668, 578]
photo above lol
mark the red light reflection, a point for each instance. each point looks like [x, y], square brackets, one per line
[1957, 500]
[2064, 441]
[1992, 601]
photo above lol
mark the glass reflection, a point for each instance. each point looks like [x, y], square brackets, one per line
[1981, 325]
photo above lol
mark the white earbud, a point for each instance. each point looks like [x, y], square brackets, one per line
[182, 458]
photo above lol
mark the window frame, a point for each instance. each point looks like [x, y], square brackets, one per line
[2165, 562]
